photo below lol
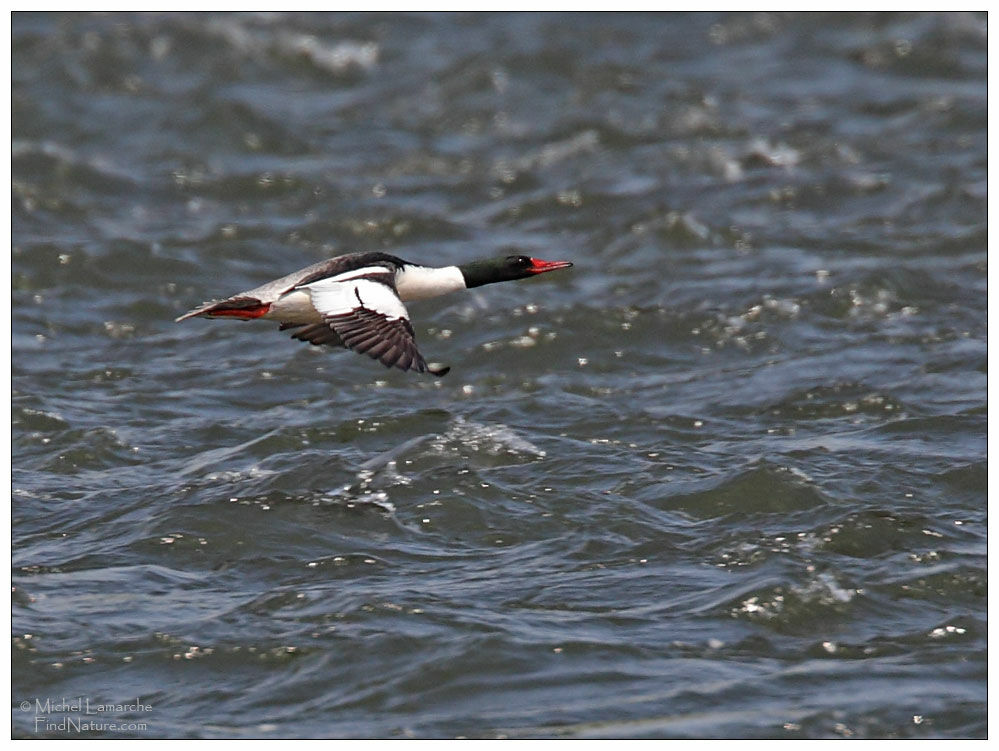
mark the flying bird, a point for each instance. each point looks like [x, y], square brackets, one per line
[356, 301]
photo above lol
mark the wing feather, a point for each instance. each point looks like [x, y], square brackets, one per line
[315, 333]
[362, 311]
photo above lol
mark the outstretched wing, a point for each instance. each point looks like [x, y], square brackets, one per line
[362, 311]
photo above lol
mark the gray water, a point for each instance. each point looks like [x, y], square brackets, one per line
[726, 477]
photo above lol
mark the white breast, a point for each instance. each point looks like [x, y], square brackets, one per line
[421, 282]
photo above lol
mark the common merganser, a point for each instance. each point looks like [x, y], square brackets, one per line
[356, 301]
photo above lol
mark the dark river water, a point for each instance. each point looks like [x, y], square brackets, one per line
[726, 477]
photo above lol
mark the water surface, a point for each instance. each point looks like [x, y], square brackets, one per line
[724, 478]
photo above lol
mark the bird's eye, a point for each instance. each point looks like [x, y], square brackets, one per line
[522, 261]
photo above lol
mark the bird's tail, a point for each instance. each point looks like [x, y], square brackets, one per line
[244, 308]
